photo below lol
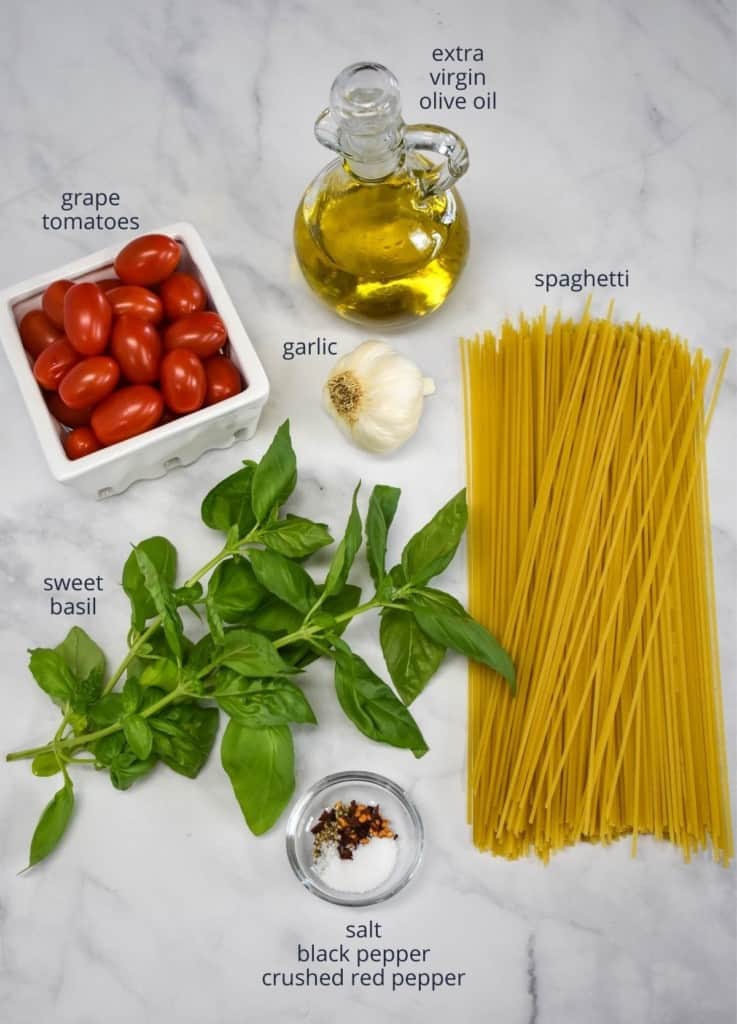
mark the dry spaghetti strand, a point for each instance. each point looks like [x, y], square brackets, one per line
[589, 552]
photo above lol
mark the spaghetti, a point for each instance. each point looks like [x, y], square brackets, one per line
[590, 556]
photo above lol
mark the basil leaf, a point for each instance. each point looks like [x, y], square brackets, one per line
[201, 655]
[432, 548]
[344, 601]
[131, 696]
[464, 634]
[284, 579]
[183, 736]
[411, 656]
[345, 552]
[214, 620]
[127, 769]
[138, 736]
[250, 654]
[109, 748]
[258, 702]
[275, 477]
[188, 597]
[228, 505]
[163, 673]
[53, 823]
[45, 764]
[82, 654]
[53, 675]
[233, 590]
[260, 766]
[295, 537]
[161, 595]
[107, 710]
[431, 600]
[86, 691]
[371, 705]
[163, 555]
[382, 507]
[275, 617]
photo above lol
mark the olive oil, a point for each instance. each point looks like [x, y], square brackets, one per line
[381, 235]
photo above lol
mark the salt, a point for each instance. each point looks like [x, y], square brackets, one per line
[372, 864]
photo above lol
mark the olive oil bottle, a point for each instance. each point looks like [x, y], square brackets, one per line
[381, 233]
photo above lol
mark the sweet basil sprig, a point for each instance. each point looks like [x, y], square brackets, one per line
[268, 618]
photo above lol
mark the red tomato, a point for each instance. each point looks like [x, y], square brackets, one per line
[87, 318]
[223, 379]
[137, 347]
[132, 300]
[89, 382]
[80, 442]
[201, 333]
[53, 301]
[182, 294]
[66, 415]
[126, 413]
[37, 332]
[183, 381]
[147, 260]
[109, 282]
[54, 362]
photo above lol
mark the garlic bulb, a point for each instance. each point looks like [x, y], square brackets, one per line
[375, 396]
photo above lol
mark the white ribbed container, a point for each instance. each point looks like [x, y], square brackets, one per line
[111, 470]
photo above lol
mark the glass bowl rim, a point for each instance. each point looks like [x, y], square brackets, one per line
[353, 899]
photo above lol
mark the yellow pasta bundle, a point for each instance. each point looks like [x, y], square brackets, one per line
[590, 557]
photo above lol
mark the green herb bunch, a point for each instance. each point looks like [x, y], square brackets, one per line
[268, 620]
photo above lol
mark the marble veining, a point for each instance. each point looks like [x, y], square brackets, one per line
[612, 146]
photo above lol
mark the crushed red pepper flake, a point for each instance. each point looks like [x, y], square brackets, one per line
[349, 826]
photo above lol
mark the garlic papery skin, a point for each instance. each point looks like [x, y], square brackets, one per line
[375, 395]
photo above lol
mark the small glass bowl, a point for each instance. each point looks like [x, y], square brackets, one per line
[366, 788]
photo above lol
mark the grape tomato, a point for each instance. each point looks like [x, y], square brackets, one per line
[52, 302]
[79, 442]
[202, 333]
[109, 282]
[183, 381]
[134, 300]
[88, 317]
[89, 381]
[65, 414]
[54, 362]
[137, 347]
[147, 260]
[182, 294]
[37, 332]
[127, 412]
[223, 379]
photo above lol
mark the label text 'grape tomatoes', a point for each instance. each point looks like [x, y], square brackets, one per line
[79, 442]
[37, 332]
[88, 317]
[127, 412]
[183, 381]
[223, 379]
[54, 362]
[133, 300]
[147, 260]
[89, 382]
[53, 301]
[182, 294]
[137, 347]
[202, 333]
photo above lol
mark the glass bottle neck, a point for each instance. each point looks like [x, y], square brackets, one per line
[373, 157]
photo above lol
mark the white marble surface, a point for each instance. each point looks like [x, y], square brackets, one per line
[612, 146]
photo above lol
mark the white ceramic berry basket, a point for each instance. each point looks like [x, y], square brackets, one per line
[179, 443]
